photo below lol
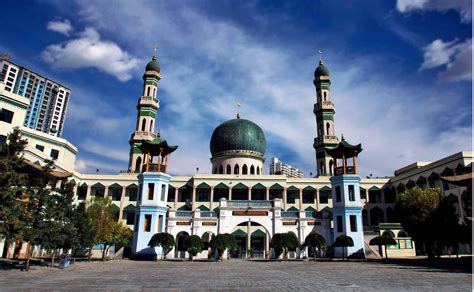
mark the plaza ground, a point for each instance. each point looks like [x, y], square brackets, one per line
[420, 274]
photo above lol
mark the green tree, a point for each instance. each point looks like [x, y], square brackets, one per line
[102, 222]
[283, 242]
[121, 236]
[223, 242]
[13, 179]
[343, 241]
[383, 240]
[445, 226]
[163, 239]
[315, 240]
[415, 207]
[193, 245]
[85, 233]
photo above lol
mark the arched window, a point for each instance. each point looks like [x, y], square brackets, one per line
[214, 170]
[143, 125]
[151, 126]
[331, 167]
[258, 170]
[388, 233]
[221, 169]
[402, 233]
[321, 168]
[328, 127]
[148, 91]
[252, 170]
[229, 169]
[325, 95]
[320, 131]
[244, 169]
[138, 164]
[236, 169]
[154, 92]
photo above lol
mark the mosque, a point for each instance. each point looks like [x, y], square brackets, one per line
[239, 199]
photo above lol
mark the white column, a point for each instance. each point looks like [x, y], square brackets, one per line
[267, 194]
[194, 199]
[122, 199]
[211, 198]
[301, 200]
[176, 193]
[316, 199]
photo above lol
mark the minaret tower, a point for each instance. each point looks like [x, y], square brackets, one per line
[324, 111]
[148, 105]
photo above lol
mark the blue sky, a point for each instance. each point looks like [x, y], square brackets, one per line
[400, 71]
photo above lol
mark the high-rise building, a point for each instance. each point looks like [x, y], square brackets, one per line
[278, 167]
[48, 98]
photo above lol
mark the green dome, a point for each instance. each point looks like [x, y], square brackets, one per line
[238, 134]
[153, 65]
[321, 70]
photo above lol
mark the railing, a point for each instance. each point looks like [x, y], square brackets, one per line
[129, 171]
[246, 204]
[340, 170]
[325, 137]
[324, 104]
[313, 214]
[289, 214]
[208, 214]
[184, 214]
[150, 98]
[154, 167]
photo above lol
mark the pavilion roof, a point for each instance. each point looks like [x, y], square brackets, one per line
[460, 180]
[157, 146]
[344, 148]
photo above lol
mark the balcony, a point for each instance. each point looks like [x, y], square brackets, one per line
[184, 214]
[324, 105]
[250, 204]
[208, 214]
[340, 170]
[289, 214]
[149, 101]
[154, 167]
[326, 139]
[143, 135]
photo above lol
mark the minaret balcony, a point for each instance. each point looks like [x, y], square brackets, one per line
[324, 105]
[326, 139]
[340, 170]
[149, 101]
[143, 135]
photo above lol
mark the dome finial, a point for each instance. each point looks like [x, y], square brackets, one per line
[320, 57]
[342, 137]
[155, 49]
[238, 109]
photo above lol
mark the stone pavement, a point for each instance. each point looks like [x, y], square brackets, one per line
[240, 275]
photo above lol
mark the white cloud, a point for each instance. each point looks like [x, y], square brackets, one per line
[392, 117]
[89, 51]
[462, 6]
[61, 26]
[88, 166]
[455, 56]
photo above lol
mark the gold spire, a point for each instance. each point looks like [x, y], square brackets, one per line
[320, 57]
[155, 49]
[238, 109]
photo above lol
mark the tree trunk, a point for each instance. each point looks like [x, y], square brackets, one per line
[52, 258]
[104, 252]
[386, 252]
[90, 254]
[27, 263]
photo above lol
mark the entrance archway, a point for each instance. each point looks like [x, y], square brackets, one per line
[253, 240]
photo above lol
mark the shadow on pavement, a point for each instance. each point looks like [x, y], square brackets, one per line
[453, 265]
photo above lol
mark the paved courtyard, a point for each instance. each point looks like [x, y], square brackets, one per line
[243, 275]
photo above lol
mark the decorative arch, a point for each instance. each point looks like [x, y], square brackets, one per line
[421, 182]
[389, 195]
[258, 170]
[151, 126]
[403, 233]
[236, 169]
[138, 164]
[252, 169]
[221, 169]
[388, 233]
[410, 184]
[328, 128]
[180, 237]
[244, 169]
[433, 180]
[391, 215]
[376, 216]
[228, 169]
[401, 188]
[143, 125]
[331, 167]
[365, 217]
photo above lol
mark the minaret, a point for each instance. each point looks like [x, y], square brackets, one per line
[148, 105]
[324, 111]
[347, 206]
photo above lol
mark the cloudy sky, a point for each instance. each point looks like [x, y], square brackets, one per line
[400, 71]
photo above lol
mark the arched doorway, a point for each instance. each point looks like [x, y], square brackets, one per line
[180, 251]
[252, 239]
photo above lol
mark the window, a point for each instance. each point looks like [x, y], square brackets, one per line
[353, 222]
[323, 197]
[116, 194]
[54, 154]
[132, 195]
[308, 197]
[143, 125]
[339, 224]
[363, 194]
[82, 193]
[151, 190]
[163, 192]
[6, 116]
[39, 147]
[147, 223]
[351, 193]
[291, 197]
[338, 194]
[203, 196]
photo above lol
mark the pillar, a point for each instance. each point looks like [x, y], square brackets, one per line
[176, 193]
[284, 198]
[316, 199]
[249, 197]
[122, 199]
[211, 198]
[88, 194]
[193, 205]
[106, 191]
[230, 193]
[301, 200]
[267, 194]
